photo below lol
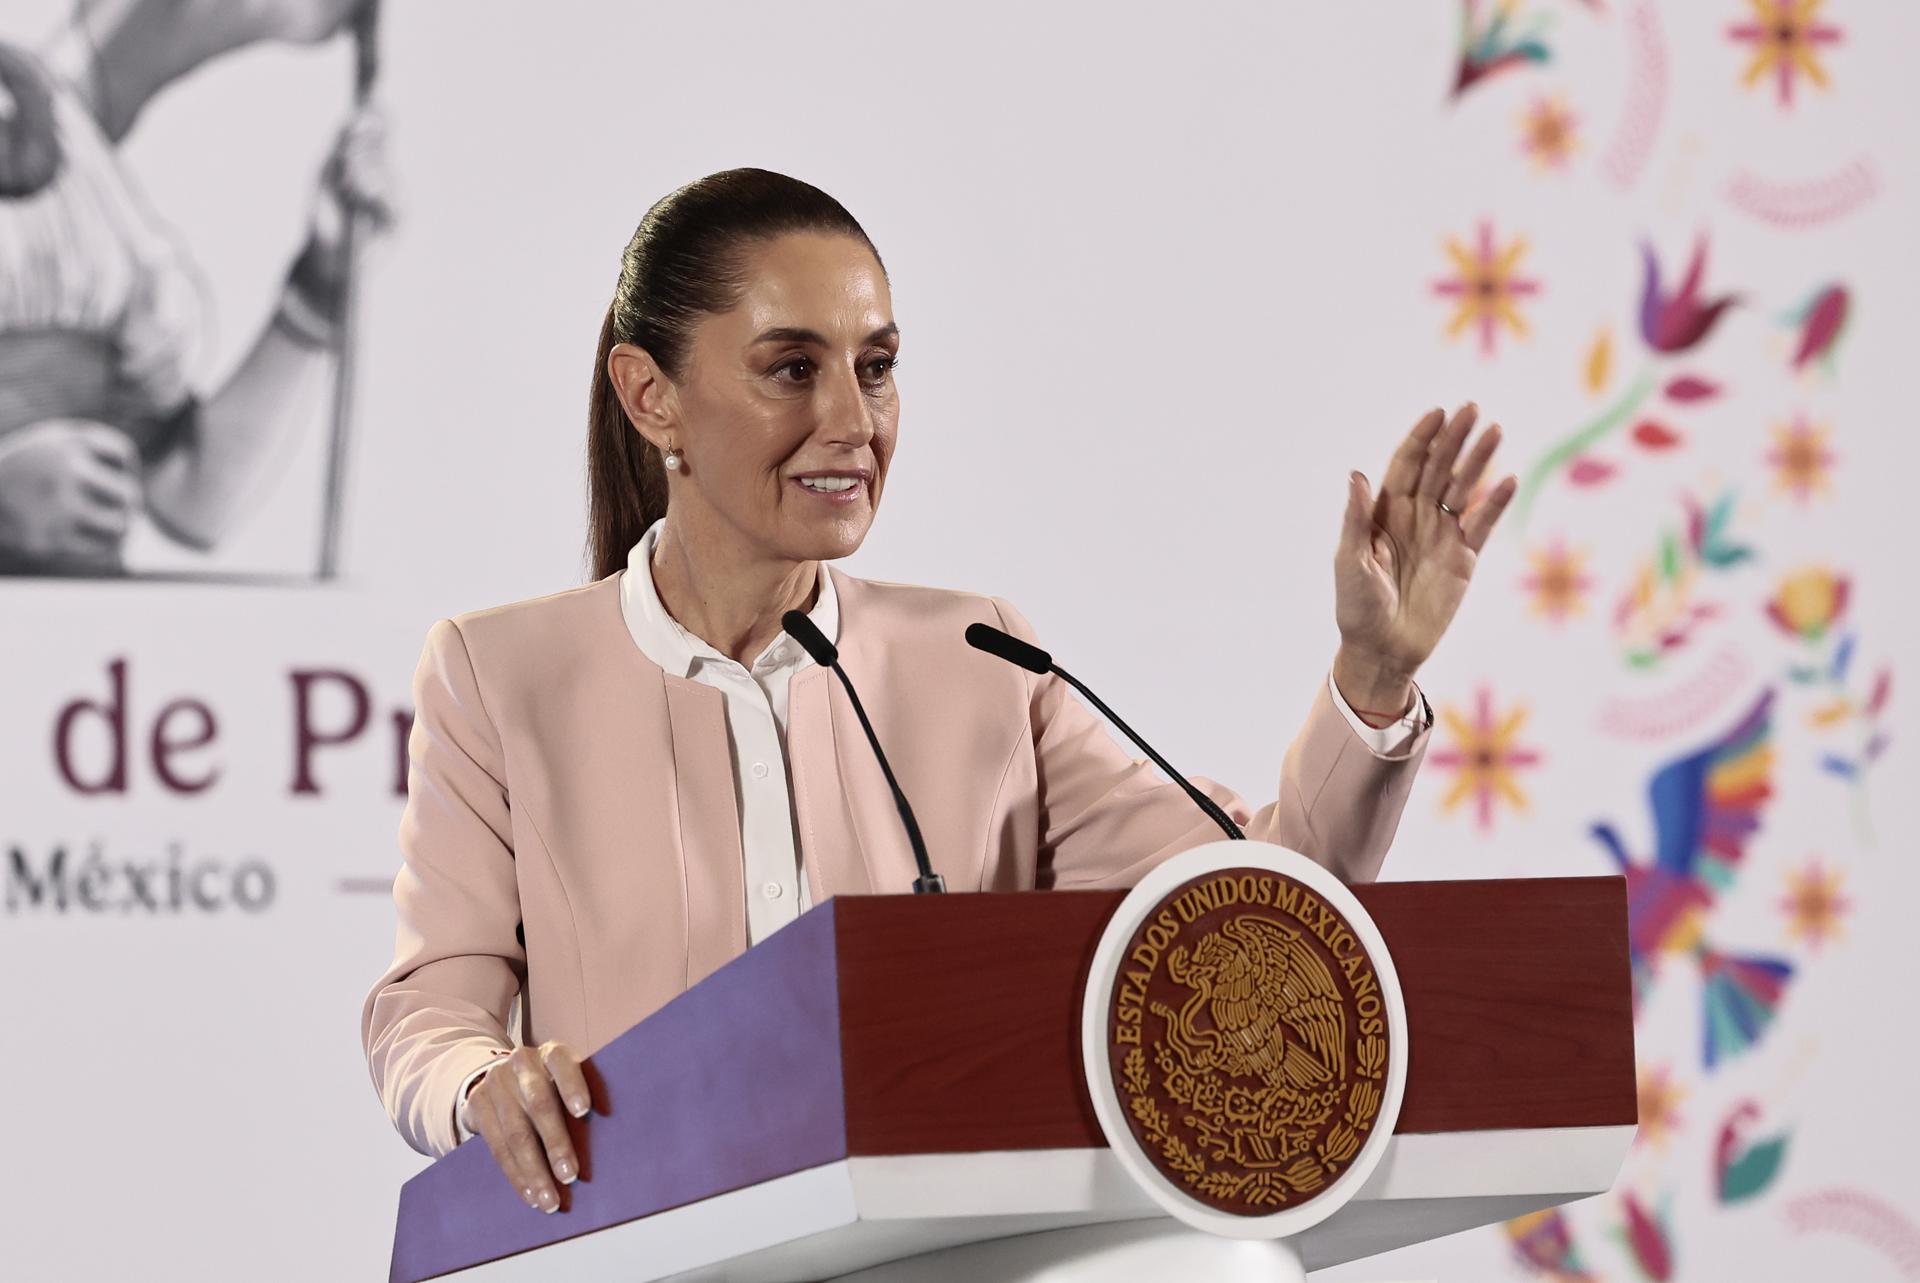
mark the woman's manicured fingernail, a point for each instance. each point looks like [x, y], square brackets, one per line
[579, 1106]
[549, 1202]
[564, 1170]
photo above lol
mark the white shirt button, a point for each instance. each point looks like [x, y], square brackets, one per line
[759, 770]
[773, 890]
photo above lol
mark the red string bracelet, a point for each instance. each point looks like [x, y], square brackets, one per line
[1391, 717]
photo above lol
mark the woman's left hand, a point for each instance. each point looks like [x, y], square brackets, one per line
[1403, 561]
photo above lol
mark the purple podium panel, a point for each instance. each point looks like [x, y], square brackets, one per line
[685, 1112]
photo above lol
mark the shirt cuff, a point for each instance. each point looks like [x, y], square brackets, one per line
[1394, 735]
[460, 1129]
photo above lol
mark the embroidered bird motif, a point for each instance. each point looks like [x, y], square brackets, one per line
[1706, 808]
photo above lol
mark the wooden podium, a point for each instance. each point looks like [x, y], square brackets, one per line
[890, 1075]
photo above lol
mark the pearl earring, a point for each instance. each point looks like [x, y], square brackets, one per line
[671, 459]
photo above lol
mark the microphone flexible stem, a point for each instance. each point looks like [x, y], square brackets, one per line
[928, 879]
[1200, 799]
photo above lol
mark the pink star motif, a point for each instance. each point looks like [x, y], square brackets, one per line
[1485, 286]
[1786, 38]
[1487, 761]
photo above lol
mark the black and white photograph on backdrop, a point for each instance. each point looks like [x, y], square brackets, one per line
[108, 421]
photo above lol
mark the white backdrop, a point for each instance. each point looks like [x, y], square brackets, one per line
[1163, 275]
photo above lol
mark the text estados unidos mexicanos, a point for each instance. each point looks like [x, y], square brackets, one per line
[1288, 897]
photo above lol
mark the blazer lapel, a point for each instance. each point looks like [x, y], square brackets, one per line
[707, 813]
[830, 839]
[856, 841]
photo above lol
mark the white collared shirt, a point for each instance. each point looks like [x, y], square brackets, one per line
[756, 705]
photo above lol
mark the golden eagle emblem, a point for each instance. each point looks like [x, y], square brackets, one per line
[1248, 1040]
[1273, 1010]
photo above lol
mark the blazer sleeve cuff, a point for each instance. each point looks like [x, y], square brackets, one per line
[1394, 740]
[441, 1123]
[460, 1129]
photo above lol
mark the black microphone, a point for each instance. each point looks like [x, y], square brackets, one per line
[802, 630]
[1034, 660]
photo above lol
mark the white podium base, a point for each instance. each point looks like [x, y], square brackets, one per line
[862, 1213]
[1142, 1251]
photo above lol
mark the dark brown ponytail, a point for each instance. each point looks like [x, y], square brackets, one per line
[687, 259]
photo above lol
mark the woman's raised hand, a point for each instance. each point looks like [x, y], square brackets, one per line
[1404, 560]
[520, 1106]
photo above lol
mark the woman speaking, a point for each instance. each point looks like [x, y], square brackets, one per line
[614, 789]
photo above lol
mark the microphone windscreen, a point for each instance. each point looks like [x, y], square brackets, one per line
[802, 630]
[1008, 647]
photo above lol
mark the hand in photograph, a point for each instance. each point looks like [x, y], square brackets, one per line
[354, 180]
[69, 489]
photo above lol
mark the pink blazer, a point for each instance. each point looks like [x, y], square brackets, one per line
[570, 833]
